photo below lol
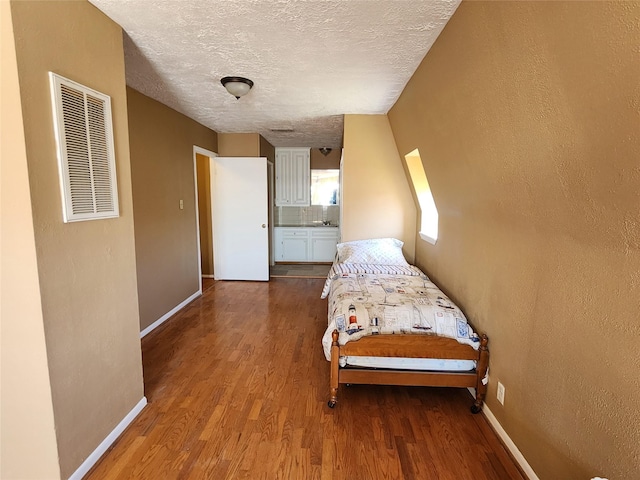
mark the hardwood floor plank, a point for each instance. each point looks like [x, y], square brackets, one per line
[237, 386]
[406, 463]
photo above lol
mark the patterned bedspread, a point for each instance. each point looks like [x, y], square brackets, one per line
[372, 300]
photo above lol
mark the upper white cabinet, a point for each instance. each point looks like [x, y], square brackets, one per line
[293, 183]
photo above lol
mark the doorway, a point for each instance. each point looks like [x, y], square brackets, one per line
[271, 175]
[204, 165]
[201, 171]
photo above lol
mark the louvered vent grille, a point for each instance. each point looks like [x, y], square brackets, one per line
[85, 151]
[99, 155]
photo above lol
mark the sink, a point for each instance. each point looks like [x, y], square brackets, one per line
[320, 223]
[308, 225]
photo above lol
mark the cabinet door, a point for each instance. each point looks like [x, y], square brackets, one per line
[277, 244]
[295, 249]
[300, 177]
[323, 244]
[284, 179]
[293, 177]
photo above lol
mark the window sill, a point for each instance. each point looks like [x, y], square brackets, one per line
[428, 239]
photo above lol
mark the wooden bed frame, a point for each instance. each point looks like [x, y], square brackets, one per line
[410, 346]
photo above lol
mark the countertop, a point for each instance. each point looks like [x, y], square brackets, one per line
[307, 225]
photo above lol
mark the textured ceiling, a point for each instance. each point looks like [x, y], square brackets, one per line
[311, 61]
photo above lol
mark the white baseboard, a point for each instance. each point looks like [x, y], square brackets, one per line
[513, 449]
[108, 441]
[207, 276]
[169, 314]
[515, 453]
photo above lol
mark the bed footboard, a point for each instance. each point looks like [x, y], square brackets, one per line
[481, 372]
[413, 346]
[335, 366]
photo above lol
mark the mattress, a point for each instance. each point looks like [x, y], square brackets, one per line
[402, 363]
[379, 299]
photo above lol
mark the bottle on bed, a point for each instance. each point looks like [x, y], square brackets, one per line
[374, 322]
[353, 320]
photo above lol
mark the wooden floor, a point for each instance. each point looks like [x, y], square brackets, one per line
[238, 386]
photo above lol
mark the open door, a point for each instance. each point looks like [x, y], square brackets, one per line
[240, 218]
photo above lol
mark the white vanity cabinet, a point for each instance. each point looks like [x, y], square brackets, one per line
[291, 244]
[305, 244]
[293, 181]
[323, 244]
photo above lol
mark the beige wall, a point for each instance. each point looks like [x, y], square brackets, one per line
[245, 145]
[329, 161]
[26, 408]
[239, 144]
[377, 198]
[87, 270]
[204, 212]
[267, 150]
[162, 166]
[526, 117]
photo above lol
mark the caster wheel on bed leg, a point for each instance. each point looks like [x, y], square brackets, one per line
[331, 403]
[476, 408]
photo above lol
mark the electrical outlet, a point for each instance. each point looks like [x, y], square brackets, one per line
[181, 204]
[500, 393]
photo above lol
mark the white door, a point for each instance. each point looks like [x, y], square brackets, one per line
[240, 218]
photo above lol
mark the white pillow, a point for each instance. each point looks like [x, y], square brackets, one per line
[377, 251]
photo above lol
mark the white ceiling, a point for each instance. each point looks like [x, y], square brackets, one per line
[312, 61]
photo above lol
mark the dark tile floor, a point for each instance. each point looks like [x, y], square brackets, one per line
[310, 270]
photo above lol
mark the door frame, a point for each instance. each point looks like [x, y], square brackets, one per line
[211, 155]
[272, 205]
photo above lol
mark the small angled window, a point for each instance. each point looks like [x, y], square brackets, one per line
[428, 210]
[86, 158]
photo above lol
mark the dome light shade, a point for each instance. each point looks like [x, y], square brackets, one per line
[237, 86]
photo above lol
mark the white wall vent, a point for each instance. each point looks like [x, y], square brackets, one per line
[86, 158]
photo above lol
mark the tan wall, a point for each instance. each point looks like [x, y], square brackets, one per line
[267, 150]
[87, 270]
[204, 212]
[239, 144]
[526, 117]
[329, 161]
[376, 195]
[161, 143]
[26, 408]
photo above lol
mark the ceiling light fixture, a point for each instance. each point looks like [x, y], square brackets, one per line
[325, 151]
[237, 86]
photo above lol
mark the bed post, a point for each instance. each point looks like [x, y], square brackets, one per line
[335, 356]
[481, 371]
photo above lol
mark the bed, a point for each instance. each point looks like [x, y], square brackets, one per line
[388, 324]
